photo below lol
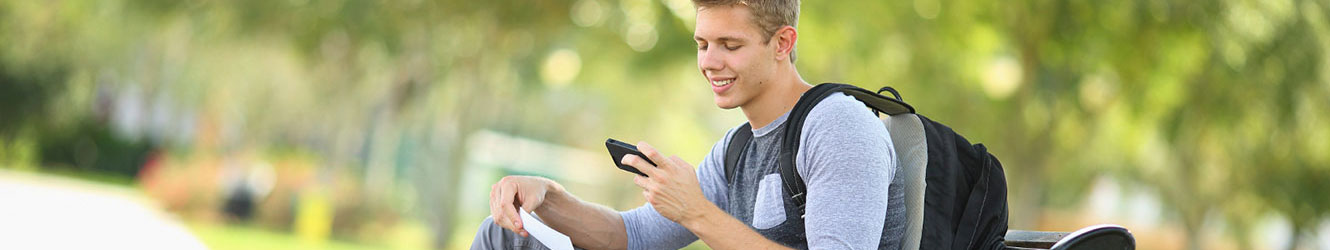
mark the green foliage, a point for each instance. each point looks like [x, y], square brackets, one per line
[1200, 100]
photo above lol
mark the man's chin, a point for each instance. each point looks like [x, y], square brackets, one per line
[723, 103]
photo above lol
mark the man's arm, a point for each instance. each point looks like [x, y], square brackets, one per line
[589, 225]
[594, 226]
[722, 231]
[846, 160]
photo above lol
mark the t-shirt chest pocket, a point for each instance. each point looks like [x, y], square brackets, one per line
[769, 208]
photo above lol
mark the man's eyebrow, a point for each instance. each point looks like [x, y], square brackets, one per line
[721, 39]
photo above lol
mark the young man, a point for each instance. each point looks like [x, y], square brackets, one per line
[746, 53]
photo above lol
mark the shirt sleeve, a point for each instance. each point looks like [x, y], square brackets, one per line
[647, 229]
[847, 161]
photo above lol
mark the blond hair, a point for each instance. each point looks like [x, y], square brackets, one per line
[769, 15]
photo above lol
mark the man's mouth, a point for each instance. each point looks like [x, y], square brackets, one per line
[722, 83]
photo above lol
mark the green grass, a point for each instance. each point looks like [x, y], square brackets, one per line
[220, 236]
[223, 236]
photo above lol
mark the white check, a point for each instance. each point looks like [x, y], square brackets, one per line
[546, 235]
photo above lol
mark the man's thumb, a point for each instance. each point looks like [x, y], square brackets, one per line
[530, 205]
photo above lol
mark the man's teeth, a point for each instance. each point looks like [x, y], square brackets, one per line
[722, 83]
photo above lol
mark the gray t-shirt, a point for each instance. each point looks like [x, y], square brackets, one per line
[845, 158]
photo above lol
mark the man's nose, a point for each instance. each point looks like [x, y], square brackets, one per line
[709, 61]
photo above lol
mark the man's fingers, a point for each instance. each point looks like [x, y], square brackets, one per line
[639, 164]
[679, 161]
[497, 205]
[494, 205]
[506, 198]
[640, 181]
[510, 207]
[517, 219]
[652, 154]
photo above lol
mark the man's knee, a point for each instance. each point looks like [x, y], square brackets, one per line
[489, 229]
[489, 225]
[492, 236]
[486, 234]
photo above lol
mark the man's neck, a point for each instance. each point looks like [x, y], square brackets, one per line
[774, 102]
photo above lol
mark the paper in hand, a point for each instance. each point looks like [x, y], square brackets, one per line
[543, 233]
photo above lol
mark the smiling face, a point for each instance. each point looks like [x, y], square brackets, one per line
[733, 54]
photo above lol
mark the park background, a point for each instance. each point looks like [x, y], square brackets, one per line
[349, 124]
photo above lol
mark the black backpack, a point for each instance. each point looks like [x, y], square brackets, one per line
[956, 193]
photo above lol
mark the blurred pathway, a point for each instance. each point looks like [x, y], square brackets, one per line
[50, 212]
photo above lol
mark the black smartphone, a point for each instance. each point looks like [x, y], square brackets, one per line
[620, 149]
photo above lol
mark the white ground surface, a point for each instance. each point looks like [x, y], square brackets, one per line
[48, 212]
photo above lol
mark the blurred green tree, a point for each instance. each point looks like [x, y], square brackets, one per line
[1215, 105]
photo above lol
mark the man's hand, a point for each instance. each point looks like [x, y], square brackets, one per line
[672, 188]
[517, 191]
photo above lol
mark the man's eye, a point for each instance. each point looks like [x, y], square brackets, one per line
[701, 47]
[732, 48]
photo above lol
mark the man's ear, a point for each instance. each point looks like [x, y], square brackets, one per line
[784, 39]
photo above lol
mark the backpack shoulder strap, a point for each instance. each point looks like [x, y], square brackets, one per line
[735, 149]
[794, 184]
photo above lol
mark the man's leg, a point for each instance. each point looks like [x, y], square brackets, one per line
[492, 236]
